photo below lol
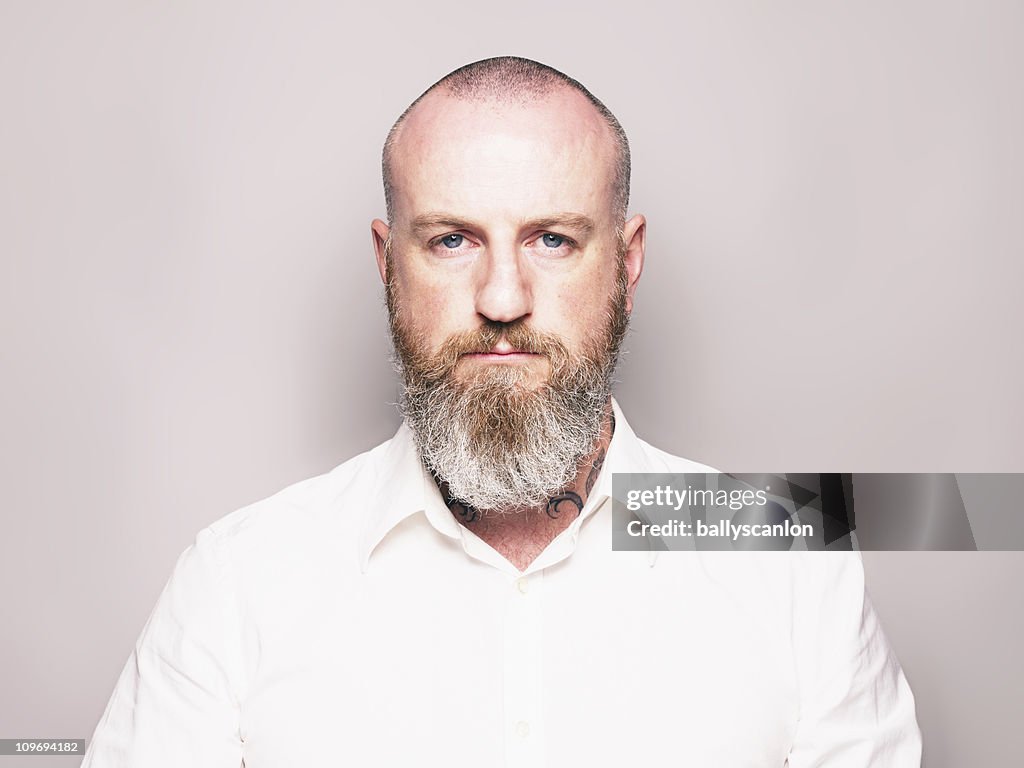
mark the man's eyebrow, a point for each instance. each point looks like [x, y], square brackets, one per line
[427, 221]
[582, 225]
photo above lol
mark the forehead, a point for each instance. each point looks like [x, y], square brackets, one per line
[488, 158]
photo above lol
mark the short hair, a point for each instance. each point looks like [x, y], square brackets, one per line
[511, 78]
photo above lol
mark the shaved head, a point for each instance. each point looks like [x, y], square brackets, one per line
[510, 80]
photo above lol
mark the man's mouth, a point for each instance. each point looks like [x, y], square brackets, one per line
[512, 356]
[502, 352]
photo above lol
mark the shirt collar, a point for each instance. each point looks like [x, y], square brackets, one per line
[625, 454]
[399, 491]
[403, 483]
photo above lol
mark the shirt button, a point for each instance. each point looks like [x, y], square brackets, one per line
[523, 585]
[522, 729]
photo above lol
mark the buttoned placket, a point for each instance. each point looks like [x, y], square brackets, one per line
[523, 705]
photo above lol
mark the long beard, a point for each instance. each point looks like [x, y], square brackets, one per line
[499, 443]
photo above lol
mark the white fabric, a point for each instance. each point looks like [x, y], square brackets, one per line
[350, 621]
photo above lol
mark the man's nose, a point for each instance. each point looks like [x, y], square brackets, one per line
[503, 293]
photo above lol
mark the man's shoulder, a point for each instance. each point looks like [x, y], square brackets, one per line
[663, 461]
[307, 508]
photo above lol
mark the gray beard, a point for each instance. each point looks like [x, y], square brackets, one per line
[501, 446]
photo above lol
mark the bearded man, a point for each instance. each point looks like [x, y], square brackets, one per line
[451, 596]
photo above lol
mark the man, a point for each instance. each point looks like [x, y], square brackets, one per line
[451, 596]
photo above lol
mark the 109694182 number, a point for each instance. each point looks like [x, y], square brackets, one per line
[49, 746]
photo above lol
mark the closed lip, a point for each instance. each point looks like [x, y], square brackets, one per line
[502, 355]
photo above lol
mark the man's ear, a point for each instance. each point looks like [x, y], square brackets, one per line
[380, 232]
[634, 236]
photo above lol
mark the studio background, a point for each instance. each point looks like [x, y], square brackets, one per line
[192, 318]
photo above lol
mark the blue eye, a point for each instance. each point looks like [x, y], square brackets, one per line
[553, 241]
[452, 241]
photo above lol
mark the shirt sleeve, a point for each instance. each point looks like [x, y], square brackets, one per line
[856, 708]
[176, 702]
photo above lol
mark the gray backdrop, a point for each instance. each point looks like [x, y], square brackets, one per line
[191, 316]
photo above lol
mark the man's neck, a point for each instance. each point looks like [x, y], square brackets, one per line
[521, 535]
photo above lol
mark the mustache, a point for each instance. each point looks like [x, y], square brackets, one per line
[517, 335]
[482, 340]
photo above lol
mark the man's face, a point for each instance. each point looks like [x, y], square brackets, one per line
[503, 213]
[509, 282]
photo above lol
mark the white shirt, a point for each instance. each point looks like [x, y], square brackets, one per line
[350, 621]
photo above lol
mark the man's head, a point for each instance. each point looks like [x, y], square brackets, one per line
[509, 80]
[510, 271]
